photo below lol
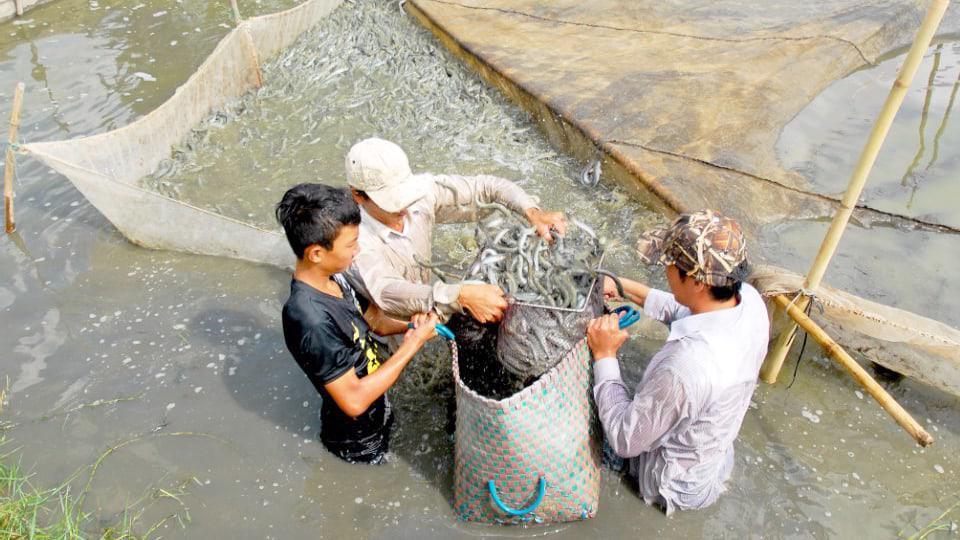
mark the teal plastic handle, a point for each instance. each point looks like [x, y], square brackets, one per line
[541, 491]
[629, 317]
[442, 329]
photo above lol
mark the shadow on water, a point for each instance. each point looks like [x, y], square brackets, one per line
[262, 378]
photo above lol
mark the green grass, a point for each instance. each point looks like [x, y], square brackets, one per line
[36, 513]
[940, 524]
[30, 512]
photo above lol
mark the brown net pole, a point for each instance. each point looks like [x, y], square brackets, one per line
[778, 353]
[11, 162]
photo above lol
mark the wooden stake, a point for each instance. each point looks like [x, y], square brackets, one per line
[774, 361]
[236, 11]
[873, 387]
[11, 163]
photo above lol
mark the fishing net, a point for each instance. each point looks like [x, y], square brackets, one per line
[553, 288]
[108, 169]
[532, 337]
[532, 457]
[921, 348]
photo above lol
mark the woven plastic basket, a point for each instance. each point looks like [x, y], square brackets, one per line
[533, 457]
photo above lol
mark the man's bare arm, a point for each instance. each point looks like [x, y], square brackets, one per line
[355, 395]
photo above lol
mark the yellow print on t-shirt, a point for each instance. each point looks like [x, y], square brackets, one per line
[373, 359]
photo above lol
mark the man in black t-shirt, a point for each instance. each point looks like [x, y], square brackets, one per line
[328, 331]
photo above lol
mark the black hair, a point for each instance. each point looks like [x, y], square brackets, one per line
[361, 194]
[314, 214]
[720, 294]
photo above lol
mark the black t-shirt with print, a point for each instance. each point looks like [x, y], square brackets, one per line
[327, 336]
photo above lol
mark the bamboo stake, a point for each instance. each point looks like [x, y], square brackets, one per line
[873, 387]
[778, 353]
[11, 163]
[236, 11]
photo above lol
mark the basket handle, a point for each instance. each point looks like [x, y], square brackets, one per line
[541, 490]
[442, 329]
[629, 316]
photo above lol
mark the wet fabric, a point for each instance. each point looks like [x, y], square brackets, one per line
[328, 336]
[680, 426]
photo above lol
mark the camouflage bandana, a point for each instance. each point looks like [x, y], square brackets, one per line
[706, 245]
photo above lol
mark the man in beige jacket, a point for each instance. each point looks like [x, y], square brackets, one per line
[398, 212]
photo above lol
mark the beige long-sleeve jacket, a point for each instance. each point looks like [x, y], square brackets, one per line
[386, 270]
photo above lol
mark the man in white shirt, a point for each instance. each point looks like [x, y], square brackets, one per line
[678, 429]
[398, 212]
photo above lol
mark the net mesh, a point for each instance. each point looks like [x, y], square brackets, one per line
[921, 348]
[108, 167]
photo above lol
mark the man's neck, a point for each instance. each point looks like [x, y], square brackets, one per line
[386, 221]
[315, 277]
[395, 224]
[707, 305]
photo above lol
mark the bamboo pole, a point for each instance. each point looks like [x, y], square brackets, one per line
[236, 11]
[10, 224]
[18, 4]
[873, 387]
[778, 353]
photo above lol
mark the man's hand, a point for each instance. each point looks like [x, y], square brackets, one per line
[424, 328]
[610, 291]
[604, 336]
[543, 222]
[486, 303]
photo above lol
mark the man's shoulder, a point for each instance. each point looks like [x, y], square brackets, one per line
[304, 307]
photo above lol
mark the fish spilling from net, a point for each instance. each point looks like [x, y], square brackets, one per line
[527, 267]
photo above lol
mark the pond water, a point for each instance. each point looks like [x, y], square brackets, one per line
[915, 175]
[179, 360]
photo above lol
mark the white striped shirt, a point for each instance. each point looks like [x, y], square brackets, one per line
[680, 425]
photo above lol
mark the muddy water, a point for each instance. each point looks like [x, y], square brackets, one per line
[180, 358]
[915, 174]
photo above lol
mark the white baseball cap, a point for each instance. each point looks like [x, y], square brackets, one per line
[380, 169]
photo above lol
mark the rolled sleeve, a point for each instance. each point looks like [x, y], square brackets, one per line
[446, 299]
[456, 196]
[398, 297]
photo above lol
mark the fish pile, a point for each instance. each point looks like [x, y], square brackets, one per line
[528, 268]
[365, 70]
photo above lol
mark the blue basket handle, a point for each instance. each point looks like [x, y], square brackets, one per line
[442, 329]
[541, 491]
[629, 317]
